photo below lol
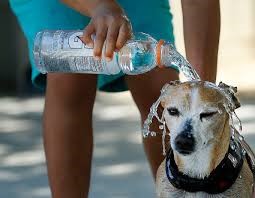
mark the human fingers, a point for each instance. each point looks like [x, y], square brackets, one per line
[87, 34]
[125, 33]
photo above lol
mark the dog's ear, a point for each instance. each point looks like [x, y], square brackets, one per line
[231, 91]
[175, 82]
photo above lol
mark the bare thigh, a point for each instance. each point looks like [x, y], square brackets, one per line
[68, 106]
[71, 90]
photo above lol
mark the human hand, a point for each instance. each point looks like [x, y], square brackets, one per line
[109, 24]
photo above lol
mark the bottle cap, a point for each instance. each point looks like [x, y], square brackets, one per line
[158, 53]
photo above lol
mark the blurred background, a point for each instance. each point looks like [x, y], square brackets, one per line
[120, 169]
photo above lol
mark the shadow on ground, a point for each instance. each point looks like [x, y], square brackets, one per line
[119, 165]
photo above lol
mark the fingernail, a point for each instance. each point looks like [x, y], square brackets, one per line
[91, 45]
[97, 58]
[108, 59]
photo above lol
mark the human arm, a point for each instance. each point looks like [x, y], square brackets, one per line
[201, 21]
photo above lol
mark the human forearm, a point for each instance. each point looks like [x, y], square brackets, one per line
[86, 7]
[201, 19]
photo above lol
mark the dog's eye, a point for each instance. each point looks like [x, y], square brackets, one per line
[173, 111]
[207, 114]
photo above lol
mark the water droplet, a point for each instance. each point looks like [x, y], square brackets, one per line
[161, 127]
[146, 122]
[220, 111]
[153, 134]
[241, 138]
[240, 176]
[232, 146]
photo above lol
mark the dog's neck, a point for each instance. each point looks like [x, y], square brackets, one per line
[201, 163]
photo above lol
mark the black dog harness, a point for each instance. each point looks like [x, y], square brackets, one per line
[218, 181]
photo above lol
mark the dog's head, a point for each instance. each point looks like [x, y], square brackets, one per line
[195, 114]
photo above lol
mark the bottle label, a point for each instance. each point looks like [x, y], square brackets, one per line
[63, 51]
[75, 42]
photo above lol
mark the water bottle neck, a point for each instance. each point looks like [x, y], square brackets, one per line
[164, 51]
[159, 46]
[168, 56]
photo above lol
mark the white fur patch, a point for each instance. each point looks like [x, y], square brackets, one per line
[197, 164]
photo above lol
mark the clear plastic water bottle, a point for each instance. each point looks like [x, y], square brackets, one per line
[63, 51]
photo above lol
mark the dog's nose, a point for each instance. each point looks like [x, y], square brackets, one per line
[185, 143]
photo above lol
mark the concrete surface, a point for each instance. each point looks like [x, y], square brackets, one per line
[119, 166]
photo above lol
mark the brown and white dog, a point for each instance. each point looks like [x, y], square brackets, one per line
[203, 160]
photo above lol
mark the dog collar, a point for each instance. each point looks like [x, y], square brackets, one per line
[220, 179]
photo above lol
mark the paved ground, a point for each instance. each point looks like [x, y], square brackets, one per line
[119, 166]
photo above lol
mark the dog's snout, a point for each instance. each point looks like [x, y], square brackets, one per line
[185, 143]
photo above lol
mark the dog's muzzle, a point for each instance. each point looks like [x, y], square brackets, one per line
[185, 143]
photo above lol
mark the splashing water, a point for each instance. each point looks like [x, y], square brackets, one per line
[171, 57]
[229, 105]
[154, 113]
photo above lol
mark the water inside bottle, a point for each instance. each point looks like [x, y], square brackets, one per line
[138, 55]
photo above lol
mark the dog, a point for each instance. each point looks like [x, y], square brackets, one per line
[204, 160]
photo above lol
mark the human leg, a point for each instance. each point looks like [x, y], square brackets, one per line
[67, 132]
